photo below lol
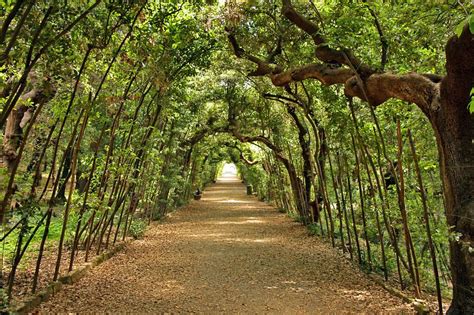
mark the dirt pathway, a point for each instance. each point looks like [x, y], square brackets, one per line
[227, 253]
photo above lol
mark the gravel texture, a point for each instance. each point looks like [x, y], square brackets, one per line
[226, 253]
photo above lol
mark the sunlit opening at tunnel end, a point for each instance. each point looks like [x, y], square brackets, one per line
[229, 172]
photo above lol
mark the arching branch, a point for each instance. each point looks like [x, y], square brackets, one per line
[324, 73]
[359, 80]
[267, 142]
[281, 98]
[412, 88]
[323, 52]
[242, 157]
[263, 67]
[246, 161]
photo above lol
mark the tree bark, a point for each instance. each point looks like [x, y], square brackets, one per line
[444, 100]
[305, 154]
[13, 136]
[454, 129]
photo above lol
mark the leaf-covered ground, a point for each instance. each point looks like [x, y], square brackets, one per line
[227, 253]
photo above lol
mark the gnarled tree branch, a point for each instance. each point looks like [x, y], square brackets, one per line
[263, 67]
[321, 72]
[246, 161]
[359, 80]
[412, 87]
[323, 52]
[324, 73]
[241, 155]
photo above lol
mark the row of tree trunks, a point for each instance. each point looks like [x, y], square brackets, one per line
[372, 204]
[444, 100]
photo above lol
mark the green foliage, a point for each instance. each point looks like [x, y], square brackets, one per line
[295, 217]
[468, 22]
[471, 103]
[165, 96]
[137, 228]
[314, 229]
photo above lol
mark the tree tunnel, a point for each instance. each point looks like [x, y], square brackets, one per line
[354, 117]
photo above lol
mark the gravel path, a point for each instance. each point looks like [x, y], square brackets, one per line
[227, 253]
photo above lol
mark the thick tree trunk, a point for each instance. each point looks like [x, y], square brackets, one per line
[13, 136]
[454, 127]
[457, 170]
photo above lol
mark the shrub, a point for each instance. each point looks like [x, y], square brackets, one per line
[137, 228]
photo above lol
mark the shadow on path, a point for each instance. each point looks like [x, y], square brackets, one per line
[227, 253]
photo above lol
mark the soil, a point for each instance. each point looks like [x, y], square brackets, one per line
[226, 253]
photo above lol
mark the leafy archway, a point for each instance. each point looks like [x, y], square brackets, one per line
[114, 112]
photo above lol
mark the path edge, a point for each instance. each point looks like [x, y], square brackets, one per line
[71, 277]
[27, 306]
[420, 306]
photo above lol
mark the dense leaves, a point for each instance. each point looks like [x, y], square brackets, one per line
[114, 112]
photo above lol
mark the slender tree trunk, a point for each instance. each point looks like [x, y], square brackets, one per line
[75, 153]
[351, 204]
[65, 175]
[338, 203]
[77, 234]
[427, 222]
[303, 135]
[372, 197]
[344, 208]
[37, 175]
[13, 136]
[408, 240]
[362, 203]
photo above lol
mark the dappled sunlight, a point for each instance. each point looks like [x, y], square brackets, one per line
[234, 249]
[207, 235]
[229, 179]
[234, 201]
[359, 295]
[202, 158]
[248, 240]
[215, 199]
[253, 221]
[171, 286]
[226, 237]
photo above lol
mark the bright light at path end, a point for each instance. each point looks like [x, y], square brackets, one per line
[229, 170]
